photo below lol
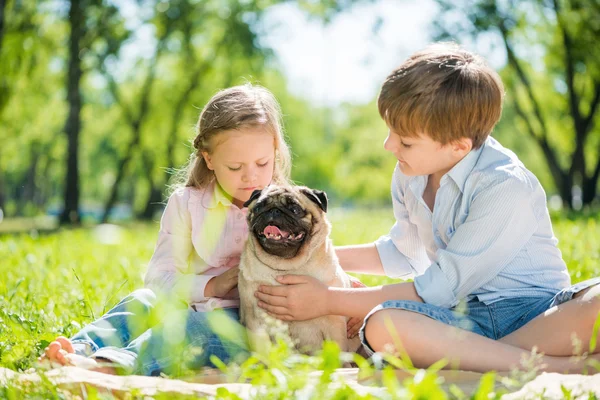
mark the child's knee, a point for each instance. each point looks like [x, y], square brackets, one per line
[376, 330]
[592, 305]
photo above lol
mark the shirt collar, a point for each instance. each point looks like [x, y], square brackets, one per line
[461, 171]
[214, 196]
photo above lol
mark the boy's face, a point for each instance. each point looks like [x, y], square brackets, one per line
[424, 156]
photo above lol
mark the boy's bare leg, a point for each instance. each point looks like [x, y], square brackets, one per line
[61, 352]
[552, 332]
[426, 341]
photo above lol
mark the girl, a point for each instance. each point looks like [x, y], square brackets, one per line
[239, 147]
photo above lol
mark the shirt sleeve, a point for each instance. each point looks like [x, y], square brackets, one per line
[168, 270]
[500, 222]
[402, 252]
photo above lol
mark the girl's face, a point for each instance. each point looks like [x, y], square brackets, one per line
[242, 160]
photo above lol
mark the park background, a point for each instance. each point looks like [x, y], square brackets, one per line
[99, 98]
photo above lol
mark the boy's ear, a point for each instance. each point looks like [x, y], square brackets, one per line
[207, 160]
[463, 145]
[316, 196]
[255, 195]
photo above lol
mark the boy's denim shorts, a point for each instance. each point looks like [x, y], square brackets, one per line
[494, 320]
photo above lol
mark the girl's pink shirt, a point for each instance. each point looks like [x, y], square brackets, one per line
[202, 234]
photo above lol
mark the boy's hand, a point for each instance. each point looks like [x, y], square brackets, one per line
[223, 285]
[301, 298]
[354, 323]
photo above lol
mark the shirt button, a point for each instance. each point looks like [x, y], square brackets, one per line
[238, 239]
[239, 216]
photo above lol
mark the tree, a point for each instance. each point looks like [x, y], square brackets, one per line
[70, 214]
[101, 20]
[2, 8]
[561, 121]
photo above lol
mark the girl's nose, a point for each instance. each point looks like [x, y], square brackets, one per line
[250, 175]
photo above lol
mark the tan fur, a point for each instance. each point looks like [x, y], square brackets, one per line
[315, 258]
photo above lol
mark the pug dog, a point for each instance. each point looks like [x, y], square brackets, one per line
[289, 234]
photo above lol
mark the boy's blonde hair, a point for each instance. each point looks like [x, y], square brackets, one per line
[444, 92]
[235, 108]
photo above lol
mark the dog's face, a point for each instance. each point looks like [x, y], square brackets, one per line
[283, 219]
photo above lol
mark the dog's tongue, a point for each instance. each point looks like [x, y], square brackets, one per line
[273, 230]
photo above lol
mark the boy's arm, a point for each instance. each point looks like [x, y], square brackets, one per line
[289, 302]
[358, 302]
[399, 254]
[361, 258]
[401, 251]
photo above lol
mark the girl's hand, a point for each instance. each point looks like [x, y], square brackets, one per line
[356, 283]
[300, 298]
[354, 323]
[222, 285]
[233, 294]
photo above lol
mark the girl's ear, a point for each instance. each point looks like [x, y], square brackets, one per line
[207, 160]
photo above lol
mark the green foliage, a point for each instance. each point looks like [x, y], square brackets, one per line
[193, 49]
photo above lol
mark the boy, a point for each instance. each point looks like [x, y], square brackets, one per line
[472, 227]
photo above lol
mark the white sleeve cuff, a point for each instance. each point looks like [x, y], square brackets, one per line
[433, 287]
[395, 264]
[197, 294]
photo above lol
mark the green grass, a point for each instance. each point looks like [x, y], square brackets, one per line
[54, 283]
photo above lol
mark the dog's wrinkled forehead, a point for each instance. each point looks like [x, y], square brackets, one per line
[277, 194]
[286, 196]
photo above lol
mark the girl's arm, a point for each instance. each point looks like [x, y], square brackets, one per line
[168, 269]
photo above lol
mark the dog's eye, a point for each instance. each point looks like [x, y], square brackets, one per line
[296, 209]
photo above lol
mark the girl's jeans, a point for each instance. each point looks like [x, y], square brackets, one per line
[143, 341]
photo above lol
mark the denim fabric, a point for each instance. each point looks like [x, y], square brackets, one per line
[128, 336]
[119, 326]
[494, 320]
[160, 353]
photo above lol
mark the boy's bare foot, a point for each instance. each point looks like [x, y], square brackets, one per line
[61, 352]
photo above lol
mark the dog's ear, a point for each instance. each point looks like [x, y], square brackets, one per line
[316, 196]
[255, 195]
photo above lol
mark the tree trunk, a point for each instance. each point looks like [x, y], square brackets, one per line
[153, 204]
[123, 163]
[154, 199]
[70, 214]
[2, 8]
[590, 186]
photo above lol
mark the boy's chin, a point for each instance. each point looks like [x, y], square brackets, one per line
[406, 170]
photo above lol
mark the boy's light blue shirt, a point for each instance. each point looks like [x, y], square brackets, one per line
[489, 235]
